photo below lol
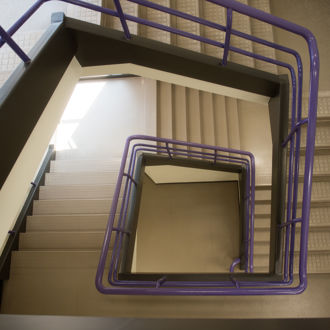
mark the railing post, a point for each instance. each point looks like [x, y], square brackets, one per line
[228, 34]
[168, 150]
[14, 46]
[122, 19]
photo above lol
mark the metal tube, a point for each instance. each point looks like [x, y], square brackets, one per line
[122, 19]
[14, 46]
[228, 33]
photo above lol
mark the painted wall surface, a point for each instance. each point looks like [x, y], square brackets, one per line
[101, 115]
[17, 186]
[187, 227]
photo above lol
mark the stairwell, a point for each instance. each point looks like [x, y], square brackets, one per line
[53, 271]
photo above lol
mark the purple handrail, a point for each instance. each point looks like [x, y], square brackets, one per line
[228, 34]
[11, 43]
[176, 153]
[293, 137]
[171, 151]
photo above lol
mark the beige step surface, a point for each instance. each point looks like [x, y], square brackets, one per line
[207, 118]
[66, 259]
[263, 31]
[84, 222]
[321, 164]
[155, 16]
[164, 110]
[322, 137]
[319, 218]
[72, 292]
[61, 240]
[179, 112]
[216, 14]
[191, 7]
[317, 263]
[232, 123]
[84, 165]
[317, 241]
[73, 206]
[220, 121]
[320, 190]
[194, 116]
[82, 178]
[77, 191]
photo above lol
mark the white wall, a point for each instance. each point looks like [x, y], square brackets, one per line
[102, 113]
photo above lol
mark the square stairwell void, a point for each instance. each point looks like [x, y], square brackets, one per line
[184, 226]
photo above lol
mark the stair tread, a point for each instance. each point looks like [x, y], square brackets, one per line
[78, 178]
[97, 191]
[72, 206]
[61, 240]
[67, 222]
[88, 165]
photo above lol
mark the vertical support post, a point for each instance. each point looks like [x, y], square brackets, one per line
[215, 156]
[168, 151]
[13, 45]
[228, 34]
[122, 19]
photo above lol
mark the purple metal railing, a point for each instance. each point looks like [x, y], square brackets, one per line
[293, 138]
[216, 154]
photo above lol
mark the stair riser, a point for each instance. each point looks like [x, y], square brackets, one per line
[61, 241]
[58, 207]
[81, 178]
[322, 137]
[317, 241]
[320, 192]
[317, 263]
[64, 166]
[77, 192]
[67, 223]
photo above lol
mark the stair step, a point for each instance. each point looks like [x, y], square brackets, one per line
[262, 208]
[232, 123]
[61, 240]
[317, 263]
[179, 113]
[220, 121]
[322, 137]
[317, 241]
[77, 192]
[190, 7]
[54, 259]
[320, 191]
[82, 178]
[262, 222]
[72, 292]
[164, 113]
[84, 165]
[73, 206]
[193, 116]
[321, 164]
[207, 118]
[319, 218]
[83, 222]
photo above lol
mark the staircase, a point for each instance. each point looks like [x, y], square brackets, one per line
[59, 251]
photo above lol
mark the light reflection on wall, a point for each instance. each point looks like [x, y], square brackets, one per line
[85, 93]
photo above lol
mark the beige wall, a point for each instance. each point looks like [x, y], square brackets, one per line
[17, 186]
[187, 227]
